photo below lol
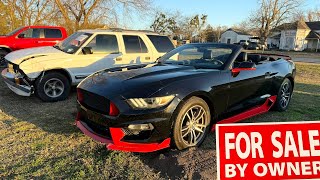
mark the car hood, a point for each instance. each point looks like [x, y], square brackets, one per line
[17, 57]
[140, 81]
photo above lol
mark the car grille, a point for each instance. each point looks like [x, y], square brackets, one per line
[95, 102]
[98, 129]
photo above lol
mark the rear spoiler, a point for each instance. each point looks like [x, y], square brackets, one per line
[286, 57]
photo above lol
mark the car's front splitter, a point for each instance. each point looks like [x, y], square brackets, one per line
[116, 142]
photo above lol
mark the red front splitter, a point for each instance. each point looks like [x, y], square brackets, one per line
[116, 144]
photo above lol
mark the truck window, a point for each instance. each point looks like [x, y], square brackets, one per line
[161, 43]
[134, 44]
[52, 33]
[31, 33]
[103, 43]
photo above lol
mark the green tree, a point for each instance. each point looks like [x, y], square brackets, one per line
[164, 24]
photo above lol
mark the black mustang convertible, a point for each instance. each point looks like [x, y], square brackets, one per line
[178, 99]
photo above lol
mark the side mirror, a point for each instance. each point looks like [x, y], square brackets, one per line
[244, 66]
[21, 35]
[87, 50]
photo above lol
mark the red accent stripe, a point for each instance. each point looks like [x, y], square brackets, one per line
[250, 113]
[117, 134]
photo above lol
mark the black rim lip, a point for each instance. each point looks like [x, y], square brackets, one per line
[285, 92]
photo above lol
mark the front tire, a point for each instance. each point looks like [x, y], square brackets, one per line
[192, 123]
[284, 96]
[52, 87]
[3, 53]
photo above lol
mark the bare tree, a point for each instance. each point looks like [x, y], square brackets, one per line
[313, 15]
[27, 12]
[78, 14]
[272, 13]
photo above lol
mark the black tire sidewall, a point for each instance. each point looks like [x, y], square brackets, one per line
[181, 110]
[278, 106]
[39, 87]
[3, 53]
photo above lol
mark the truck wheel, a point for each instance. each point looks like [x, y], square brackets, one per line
[52, 87]
[192, 123]
[3, 53]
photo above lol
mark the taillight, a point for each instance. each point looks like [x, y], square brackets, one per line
[113, 110]
[80, 95]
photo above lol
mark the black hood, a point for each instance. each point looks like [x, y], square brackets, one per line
[142, 80]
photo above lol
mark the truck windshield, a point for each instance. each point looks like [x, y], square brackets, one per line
[14, 31]
[73, 42]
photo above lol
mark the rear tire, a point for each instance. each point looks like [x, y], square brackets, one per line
[284, 96]
[52, 87]
[191, 123]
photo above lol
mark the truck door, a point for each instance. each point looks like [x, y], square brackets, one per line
[29, 38]
[135, 51]
[105, 51]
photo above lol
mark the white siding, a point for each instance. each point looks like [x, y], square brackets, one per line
[287, 40]
[233, 36]
[229, 35]
[243, 37]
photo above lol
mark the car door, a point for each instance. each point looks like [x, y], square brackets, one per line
[105, 51]
[135, 50]
[29, 38]
[246, 89]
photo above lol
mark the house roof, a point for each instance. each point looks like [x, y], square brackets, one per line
[277, 36]
[313, 35]
[239, 32]
[314, 25]
[293, 26]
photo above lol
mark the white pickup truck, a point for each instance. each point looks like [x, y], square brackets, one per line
[49, 72]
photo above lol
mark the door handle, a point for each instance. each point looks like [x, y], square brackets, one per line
[119, 59]
[147, 58]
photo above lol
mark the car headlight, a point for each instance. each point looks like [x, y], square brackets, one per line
[150, 103]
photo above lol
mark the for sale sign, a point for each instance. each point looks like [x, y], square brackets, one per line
[268, 151]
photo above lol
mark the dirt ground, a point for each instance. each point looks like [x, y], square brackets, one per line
[39, 141]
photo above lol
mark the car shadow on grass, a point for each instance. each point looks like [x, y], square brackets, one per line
[55, 117]
[193, 163]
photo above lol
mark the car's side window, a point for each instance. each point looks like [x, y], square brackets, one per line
[52, 33]
[104, 43]
[134, 44]
[30, 33]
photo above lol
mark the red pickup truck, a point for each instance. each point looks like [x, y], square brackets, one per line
[31, 36]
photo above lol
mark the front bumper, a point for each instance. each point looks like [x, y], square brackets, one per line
[116, 138]
[10, 80]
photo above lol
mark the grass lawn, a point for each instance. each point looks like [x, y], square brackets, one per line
[293, 54]
[38, 140]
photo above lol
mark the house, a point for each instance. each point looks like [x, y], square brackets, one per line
[297, 36]
[232, 36]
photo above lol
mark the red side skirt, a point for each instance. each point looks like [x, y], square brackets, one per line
[250, 113]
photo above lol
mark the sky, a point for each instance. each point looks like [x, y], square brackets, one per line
[220, 12]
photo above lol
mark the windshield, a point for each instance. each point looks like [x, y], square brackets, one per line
[205, 56]
[14, 31]
[73, 42]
